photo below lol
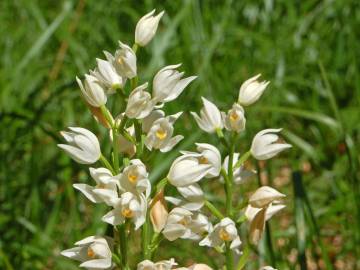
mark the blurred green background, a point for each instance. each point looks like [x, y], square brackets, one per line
[309, 50]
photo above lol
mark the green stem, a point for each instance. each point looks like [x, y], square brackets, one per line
[221, 136]
[135, 47]
[145, 237]
[213, 210]
[244, 257]
[107, 115]
[138, 133]
[115, 150]
[229, 257]
[106, 163]
[160, 185]
[123, 245]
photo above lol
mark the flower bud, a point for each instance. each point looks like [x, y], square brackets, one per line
[158, 212]
[146, 28]
[251, 90]
[210, 117]
[139, 104]
[125, 61]
[235, 120]
[264, 144]
[168, 85]
[92, 91]
[265, 195]
[83, 146]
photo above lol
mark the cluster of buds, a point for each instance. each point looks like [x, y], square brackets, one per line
[139, 128]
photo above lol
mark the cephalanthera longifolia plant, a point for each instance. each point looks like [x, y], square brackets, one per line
[142, 127]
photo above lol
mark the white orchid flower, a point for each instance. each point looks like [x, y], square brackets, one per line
[267, 268]
[193, 197]
[124, 61]
[197, 266]
[83, 146]
[161, 265]
[207, 154]
[271, 210]
[148, 121]
[177, 224]
[92, 91]
[234, 120]
[191, 167]
[128, 206]
[107, 76]
[240, 174]
[210, 117]
[224, 231]
[105, 182]
[160, 134]
[146, 28]
[264, 144]
[251, 90]
[134, 178]
[93, 252]
[139, 103]
[265, 195]
[168, 85]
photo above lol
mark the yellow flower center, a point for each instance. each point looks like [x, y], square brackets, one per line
[126, 212]
[224, 235]
[132, 177]
[100, 185]
[161, 134]
[119, 60]
[90, 253]
[183, 222]
[233, 116]
[203, 160]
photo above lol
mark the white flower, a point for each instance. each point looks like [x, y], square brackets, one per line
[207, 154]
[83, 146]
[240, 174]
[235, 118]
[105, 183]
[139, 104]
[92, 91]
[193, 197]
[265, 195]
[162, 265]
[107, 76]
[251, 90]
[168, 85]
[160, 134]
[146, 28]
[264, 144]
[124, 61]
[210, 117]
[197, 266]
[94, 253]
[271, 210]
[224, 231]
[267, 268]
[187, 170]
[191, 167]
[134, 178]
[150, 119]
[178, 225]
[128, 206]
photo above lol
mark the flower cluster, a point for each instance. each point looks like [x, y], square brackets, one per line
[139, 128]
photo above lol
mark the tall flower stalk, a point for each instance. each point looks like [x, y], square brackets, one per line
[141, 129]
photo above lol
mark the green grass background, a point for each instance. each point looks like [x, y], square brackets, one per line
[309, 50]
